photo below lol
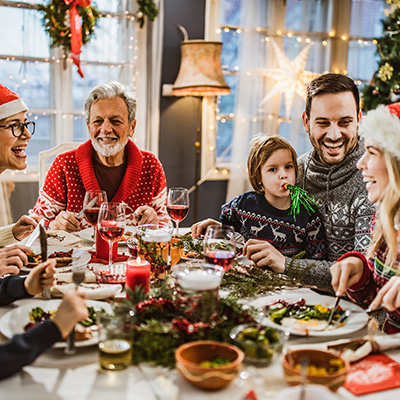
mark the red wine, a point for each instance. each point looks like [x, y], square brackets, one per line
[178, 213]
[91, 215]
[112, 233]
[223, 258]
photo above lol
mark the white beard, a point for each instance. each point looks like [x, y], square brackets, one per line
[109, 150]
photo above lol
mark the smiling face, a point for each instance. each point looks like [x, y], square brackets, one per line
[110, 130]
[275, 172]
[12, 149]
[332, 126]
[374, 170]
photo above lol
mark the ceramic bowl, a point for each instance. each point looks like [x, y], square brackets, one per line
[109, 274]
[260, 344]
[189, 356]
[324, 368]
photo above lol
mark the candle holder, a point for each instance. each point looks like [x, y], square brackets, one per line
[197, 285]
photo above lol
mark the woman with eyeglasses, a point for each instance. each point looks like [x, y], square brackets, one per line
[15, 133]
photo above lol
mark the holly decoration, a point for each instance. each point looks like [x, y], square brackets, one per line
[385, 84]
[146, 7]
[300, 196]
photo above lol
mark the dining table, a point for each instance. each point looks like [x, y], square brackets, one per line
[57, 376]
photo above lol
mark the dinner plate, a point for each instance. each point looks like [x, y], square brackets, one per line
[87, 234]
[357, 319]
[15, 320]
[78, 256]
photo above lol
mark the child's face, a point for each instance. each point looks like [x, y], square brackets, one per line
[276, 171]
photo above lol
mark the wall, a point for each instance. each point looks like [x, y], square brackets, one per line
[179, 116]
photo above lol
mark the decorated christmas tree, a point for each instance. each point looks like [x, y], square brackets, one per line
[385, 85]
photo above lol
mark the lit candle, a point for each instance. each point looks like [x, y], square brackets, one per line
[199, 280]
[137, 274]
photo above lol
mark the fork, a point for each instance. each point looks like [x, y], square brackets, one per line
[78, 276]
[303, 382]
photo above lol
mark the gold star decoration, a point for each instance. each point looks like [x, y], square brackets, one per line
[290, 76]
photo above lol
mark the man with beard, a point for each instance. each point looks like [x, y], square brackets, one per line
[329, 173]
[109, 161]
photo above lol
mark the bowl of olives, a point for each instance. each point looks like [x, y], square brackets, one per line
[260, 344]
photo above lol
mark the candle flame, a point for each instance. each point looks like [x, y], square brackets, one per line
[138, 260]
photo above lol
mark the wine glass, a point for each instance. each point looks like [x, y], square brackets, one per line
[178, 205]
[111, 224]
[92, 213]
[219, 245]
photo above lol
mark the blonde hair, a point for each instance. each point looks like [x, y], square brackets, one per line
[388, 210]
[261, 149]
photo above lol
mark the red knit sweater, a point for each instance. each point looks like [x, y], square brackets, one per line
[72, 174]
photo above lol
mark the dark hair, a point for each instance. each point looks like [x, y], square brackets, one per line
[331, 83]
[261, 149]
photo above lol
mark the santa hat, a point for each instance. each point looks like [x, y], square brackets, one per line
[382, 126]
[10, 103]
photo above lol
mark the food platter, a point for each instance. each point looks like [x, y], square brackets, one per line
[15, 320]
[357, 319]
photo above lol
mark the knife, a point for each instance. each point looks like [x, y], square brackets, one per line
[89, 205]
[28, 241]
[333, 312]
[43, 250]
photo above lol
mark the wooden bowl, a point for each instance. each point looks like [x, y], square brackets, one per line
[334, 368]
[190, 355]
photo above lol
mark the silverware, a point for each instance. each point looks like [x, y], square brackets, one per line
[303, 365]
[43, 251]
[369, 311]
[78, 276]
[28, 241]
[332, 312]
[89, 205]
[345, 315]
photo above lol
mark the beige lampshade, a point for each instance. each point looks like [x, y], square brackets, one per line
[200, 72]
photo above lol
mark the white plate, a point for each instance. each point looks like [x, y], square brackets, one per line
[78, 256]
[15, 320]
[87, 234]
[357, 319]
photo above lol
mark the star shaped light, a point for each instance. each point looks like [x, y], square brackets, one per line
[290, 77]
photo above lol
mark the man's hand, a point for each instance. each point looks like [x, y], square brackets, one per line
[72, 310]
[13, 258]
[145, 215]
[389, 295]
[346, 273]
[263, 254]
[65, 221]
[24, 227]
[42, 276]
[199, 228]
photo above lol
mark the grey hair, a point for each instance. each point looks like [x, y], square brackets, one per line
[108, 91]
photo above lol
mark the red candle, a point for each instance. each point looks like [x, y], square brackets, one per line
[102, 247]
[137, 274]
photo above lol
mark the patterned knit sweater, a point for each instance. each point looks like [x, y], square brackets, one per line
[253, 217]
[344, 209]
[72, 174]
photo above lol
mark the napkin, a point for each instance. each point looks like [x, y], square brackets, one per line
[66, 277]
[118, 258]
[93, 291]
[62, 238]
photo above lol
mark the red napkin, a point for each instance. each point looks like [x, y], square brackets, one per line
[374, 373]
[118, 258]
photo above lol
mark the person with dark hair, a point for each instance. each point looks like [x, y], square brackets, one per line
[329, 173]
[109, 161]
[265, 213]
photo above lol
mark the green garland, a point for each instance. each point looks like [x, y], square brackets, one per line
[146, 7]
[56, 23]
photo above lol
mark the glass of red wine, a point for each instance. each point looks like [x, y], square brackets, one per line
[219, 246]
[111, 224]
[178, 205]
[92, 213]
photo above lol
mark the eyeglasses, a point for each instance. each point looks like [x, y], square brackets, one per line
[18, 129]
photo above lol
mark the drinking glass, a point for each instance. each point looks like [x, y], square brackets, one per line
[92, 214]
[111, 224]
[178, 205]
[219, 246]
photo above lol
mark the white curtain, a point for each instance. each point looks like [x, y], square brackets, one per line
[149, 81]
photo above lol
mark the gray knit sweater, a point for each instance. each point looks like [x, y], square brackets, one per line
[344, 209]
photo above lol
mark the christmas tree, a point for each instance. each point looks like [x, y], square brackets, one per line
[385, 85]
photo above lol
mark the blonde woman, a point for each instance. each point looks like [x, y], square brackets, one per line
[374, 280]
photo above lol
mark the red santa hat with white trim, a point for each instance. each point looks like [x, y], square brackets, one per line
[382, 126]
[10, 103]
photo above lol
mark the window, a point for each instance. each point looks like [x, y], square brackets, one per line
[46, 78]
[339, 40]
